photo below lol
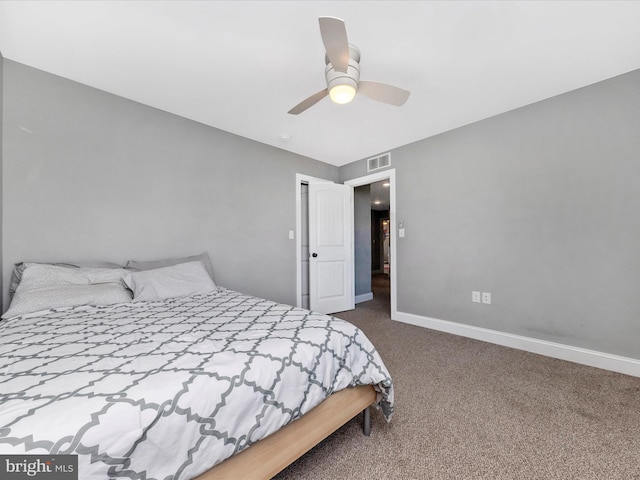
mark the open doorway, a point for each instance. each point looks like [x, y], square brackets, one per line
[374, 240]
[302, 247]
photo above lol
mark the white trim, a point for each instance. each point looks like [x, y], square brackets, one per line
[376, 177]
[593, 358]
[365, 297]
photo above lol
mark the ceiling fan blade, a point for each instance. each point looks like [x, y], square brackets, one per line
[383, 92]
[334, 37]
[309, 102]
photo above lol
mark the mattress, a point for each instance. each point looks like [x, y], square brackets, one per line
[168, 389]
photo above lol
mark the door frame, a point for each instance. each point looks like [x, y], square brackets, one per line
[389, 175]
[356, 182]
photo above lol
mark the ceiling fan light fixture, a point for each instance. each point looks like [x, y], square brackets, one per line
[342, 86]
[342, 93]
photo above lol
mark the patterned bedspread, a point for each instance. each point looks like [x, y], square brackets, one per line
[168, 389]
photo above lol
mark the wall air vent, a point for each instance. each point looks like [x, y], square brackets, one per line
[376, 163]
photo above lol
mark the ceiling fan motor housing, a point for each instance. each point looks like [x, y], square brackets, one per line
[350, 77]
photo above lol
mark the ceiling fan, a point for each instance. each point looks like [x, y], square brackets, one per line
[343, 72]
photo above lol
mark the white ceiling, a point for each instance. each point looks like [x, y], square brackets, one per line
[240, 66]
[379, 194]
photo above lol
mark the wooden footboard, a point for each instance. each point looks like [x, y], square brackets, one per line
[265, 458]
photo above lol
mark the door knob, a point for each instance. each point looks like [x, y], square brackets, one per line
[314, 255]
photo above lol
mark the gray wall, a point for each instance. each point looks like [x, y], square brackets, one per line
[538, 206]
[362, 239]
[89, 175]
[1, 156]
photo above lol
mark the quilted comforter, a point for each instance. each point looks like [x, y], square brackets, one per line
[168, 389]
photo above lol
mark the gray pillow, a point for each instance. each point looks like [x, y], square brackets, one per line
[18, 268]
[181, 280]
[46, 287]
[138, 266]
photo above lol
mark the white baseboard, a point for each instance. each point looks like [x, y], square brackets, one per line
[593, 358]
[365, 297]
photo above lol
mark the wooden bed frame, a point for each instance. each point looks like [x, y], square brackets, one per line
[265, 458]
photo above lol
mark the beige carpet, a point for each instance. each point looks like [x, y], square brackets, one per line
[466, 409]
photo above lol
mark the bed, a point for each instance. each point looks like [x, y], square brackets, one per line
[210, 384]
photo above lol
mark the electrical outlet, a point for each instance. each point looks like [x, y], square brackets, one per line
[486, 297]
[475, 297]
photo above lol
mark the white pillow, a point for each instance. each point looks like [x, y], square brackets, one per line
[45, 286]
[180, 280]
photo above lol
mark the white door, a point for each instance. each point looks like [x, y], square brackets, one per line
[330, 248]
